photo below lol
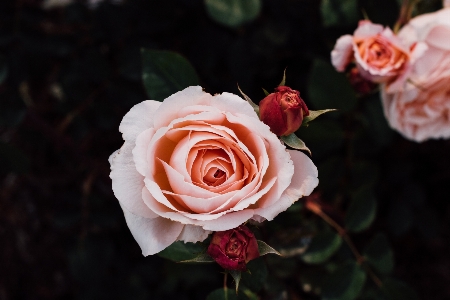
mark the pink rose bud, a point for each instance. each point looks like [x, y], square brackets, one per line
[233, 249]
[283, 110]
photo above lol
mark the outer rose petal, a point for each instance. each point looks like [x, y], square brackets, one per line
[342, 52]
[127, 182]
[303, 183]
[366, 29]
[138, 119]
[446, 3]
[152, 235]
[193, 234]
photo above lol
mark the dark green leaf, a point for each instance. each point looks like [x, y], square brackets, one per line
[233, 13]
[400, 217]
[201, 258]
[345, 283]
[314, 114]
[362, 211]
[339, 13]
[237, 278]
[264, 249]
[322, 247]
[180, 251]
[293, 141]
[398, 290]
[329, 89]
[221, 294]
[379, 254]
[255, 279]
[165, 73]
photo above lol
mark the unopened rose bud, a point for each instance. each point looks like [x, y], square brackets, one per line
[283, 110]
[359, 83]
[234, 248]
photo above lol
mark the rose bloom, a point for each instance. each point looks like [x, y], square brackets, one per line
[420, 110]
[197, 163]
[234, 248]
[283, 110]
[379, 55]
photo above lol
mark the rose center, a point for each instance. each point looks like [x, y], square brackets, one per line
[234, 247]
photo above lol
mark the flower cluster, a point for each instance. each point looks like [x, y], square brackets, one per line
[413, 68]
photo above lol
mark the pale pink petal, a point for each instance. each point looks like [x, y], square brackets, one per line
[439, 37]
[193, 234]
[229, 220]
[152, 235]
[342, 53]
[140, 151]
[170, 108]
[367, 29]
[446, 3]
[138, 119]
[233, 104]
[127, 183]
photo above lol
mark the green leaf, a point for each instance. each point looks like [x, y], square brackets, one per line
[328, 88]
[264, 249]
[257, 275]
[395, 289]
[165, 73]
[322, 247]
[362, 211]
[180, 251]
[236, 276]
[247, 98]
[345, 283]
[314, 114]
[283, 81]
[201, 258]
[233, 13]
[293, 141]
[339, 13]
[379, 254]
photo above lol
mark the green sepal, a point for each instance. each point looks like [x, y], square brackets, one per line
[293, 141]
[265, 92]
[247, 98]
[236, 276]
[283, 81]
[314, 114]
[264, 249]
[201, 258]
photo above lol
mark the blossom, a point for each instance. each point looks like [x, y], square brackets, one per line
[197, 163]
[233, 249]
[283, 110]
[379, 55]
[420, 109]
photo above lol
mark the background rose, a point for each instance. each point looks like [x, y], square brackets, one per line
[421, 109]
[233, 249]
[198, 163]
[379, 55]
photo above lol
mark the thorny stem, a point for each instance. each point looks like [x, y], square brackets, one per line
[315, 208]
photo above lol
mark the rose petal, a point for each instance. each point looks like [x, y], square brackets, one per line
[138, 119]
[228, 221]
[152, 235]
[127, 183]
[342, 52]
[140, 151]
[193, 234]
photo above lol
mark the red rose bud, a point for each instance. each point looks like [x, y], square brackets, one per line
[359, 83]
[283, 110]
[234, 248]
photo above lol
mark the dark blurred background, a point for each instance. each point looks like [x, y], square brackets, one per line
[70, 73]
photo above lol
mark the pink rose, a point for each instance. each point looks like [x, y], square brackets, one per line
[283, 110]
[378, 54]
[197, 163]
[234, 248]
[420, 109]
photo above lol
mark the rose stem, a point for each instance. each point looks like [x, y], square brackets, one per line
[360, 260]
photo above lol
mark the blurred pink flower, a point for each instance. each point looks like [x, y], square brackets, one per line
[420, 109]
